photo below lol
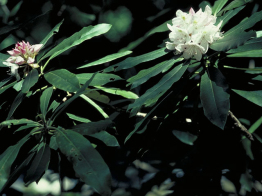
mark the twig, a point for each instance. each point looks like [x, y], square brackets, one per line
[240, 126]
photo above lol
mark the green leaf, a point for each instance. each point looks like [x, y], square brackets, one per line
[251, 53]
[214, 98]
[255, 126]
[7, 158]
[246, 24]
[97, 130]
[39, 165]
[18, 100]
[133, 61]
[87, 162]
[30, 80]
[77, 118]
[253, 96]
[44, 100]
[234, 4]
[77, 38]
[19, 122]
[53, 106]
[219, 4]
[29, 125]
[145, 74]
[4, 81]
[3, 57]
[106, 59]
[246, 180]
[99, 79]
[151, 96]
[253, 44]
[51, 33]
[203, 4]
[63, 79]
[232, 40]
[227, 16]
[97, 107]
[117, 91]
[3, 89]
[18, 85]
[65, 104]
[15, 9]
[92, 127]
[247, 146]
[17, 172]
[185, 137]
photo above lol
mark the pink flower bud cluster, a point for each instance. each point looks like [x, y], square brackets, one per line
[24, 53]
[192, 33]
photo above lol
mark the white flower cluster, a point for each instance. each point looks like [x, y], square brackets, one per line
[191, 33]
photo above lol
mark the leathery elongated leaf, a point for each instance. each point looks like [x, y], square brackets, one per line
[63, 79]
[232, 41]
[185, 137]
[146, 74]
[133, 61]
[253, 96]
[19, 122]
[106, 59]
[251, 53]
[77, 38]
[7, 159]
[38, 165]
[233, 4]
[4, 88]
[214, 98]
[18, 100]
[253, 44]
[30, 80]
[87, 162]
[51, 33]
[219, 4]
[99, 79]
[44, 100]
[153, 94]
[117, 91]
[3, 57]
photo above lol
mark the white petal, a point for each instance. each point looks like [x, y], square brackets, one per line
[170, 46]
[198, 54]
[37, 47]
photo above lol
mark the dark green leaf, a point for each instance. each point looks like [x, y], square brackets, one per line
[247, 146]
[51, 33]
[253, 44]
[53, 106]
[219, 4]
[19, 122]
[3, 89]
[26, 127]
[30, 80]
[146, 74]
[44, 100]
[76, 39]
[92, 127]
[246, 180]
[53, 143]
[232, 40]
[106, 59]
[65, 104]
[255, 126]
[251, 53]
[227, 16]
[63, 79]
[133, 61]
[99, 79]
[77, 118]
[4, 81]
[203, 4]
[18, 99]
[3, 57]
[87, 162]
[118, 91]
[151, 96]
[214, 98]
[7, 159]
[233, 4]
[253, 96]
[39, 165]
[246, 24]
[185, 137]
[105, 137]
[18, 171]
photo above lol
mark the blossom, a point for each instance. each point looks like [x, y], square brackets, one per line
[24, 53]
[193, 32]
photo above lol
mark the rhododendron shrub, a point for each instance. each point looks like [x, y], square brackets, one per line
[66, 107]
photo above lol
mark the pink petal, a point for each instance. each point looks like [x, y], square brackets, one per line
[23, 50]
[17, 51]
[37, 47]
[191, 11]
[11, 59]
[19, 60]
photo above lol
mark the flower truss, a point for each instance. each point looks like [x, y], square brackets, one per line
[191, 33]
[23, 53]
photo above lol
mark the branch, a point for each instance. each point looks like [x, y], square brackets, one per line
[240, 126]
